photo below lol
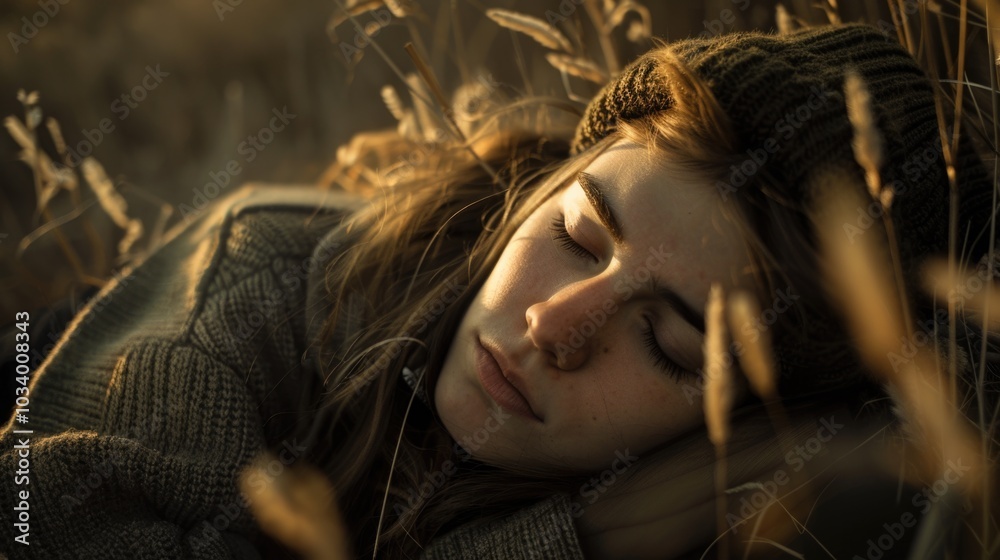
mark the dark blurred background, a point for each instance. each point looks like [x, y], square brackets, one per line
[200, 76]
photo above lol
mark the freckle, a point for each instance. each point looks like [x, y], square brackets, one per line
[605, 349]
[593, 418]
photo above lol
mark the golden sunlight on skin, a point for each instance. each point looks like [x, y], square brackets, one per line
[574, 325]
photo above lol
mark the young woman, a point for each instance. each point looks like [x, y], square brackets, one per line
[585, 287]
[502, 355]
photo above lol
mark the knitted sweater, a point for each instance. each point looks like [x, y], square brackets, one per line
[174, 377]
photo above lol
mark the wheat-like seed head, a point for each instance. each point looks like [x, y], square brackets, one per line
[756, 358]
[867, 143]
[298, 507]
[579, 67]
[718, 383]
[542, 31]
[786, 24]
[393, 102]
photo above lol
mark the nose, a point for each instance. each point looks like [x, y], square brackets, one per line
[568, 323]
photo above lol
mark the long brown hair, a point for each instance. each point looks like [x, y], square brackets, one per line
[433, 237]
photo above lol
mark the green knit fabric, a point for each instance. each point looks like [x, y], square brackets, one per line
[788, 89]
[174, 377]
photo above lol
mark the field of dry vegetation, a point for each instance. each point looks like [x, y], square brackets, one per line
[122, 117]
[223, 68]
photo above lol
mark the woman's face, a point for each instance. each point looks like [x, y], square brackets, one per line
[569, 318]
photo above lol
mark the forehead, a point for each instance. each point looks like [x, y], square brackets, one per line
[658, 203]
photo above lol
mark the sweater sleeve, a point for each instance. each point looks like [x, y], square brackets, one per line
[143, 490]
[170, 381]
[544, 531]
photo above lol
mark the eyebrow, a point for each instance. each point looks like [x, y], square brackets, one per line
[594, 190]
[595, 194]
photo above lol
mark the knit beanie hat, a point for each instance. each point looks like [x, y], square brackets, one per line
[765, 82]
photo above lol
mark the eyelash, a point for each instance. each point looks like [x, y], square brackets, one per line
[660, 359]
[561, 234]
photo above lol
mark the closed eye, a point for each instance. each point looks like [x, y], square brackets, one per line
[561, 235]
[659, 357]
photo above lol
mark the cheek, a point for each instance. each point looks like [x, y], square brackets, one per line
[635, 411]
[516, 269]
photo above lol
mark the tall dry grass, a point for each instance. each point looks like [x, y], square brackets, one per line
[579, 54]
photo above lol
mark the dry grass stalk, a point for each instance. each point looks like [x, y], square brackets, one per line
[867, 142]
[56, 133]
[348, 10]
[718, 383]
[403, 8]
[864, 290]
[112, 203]
[719, 396]
[49, 178]
[428, 76]
[905, 20]
[830, 8]
[869, 152]
[427, 122]
[785, 21]
[47, 181]
[579, 67]
[393, 102]
[431, 82]
[757, 362]
[392, 65]
[960, 74]
[299, 508]
[756, 359]
[545, 33]
[861, 285]
[67, 180]
[983, 302]
[638, 30]
[597, 17]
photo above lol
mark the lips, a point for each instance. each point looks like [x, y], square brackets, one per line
[498, 386]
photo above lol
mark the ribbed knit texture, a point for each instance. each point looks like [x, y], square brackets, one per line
[765, 82]
[174, 377]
